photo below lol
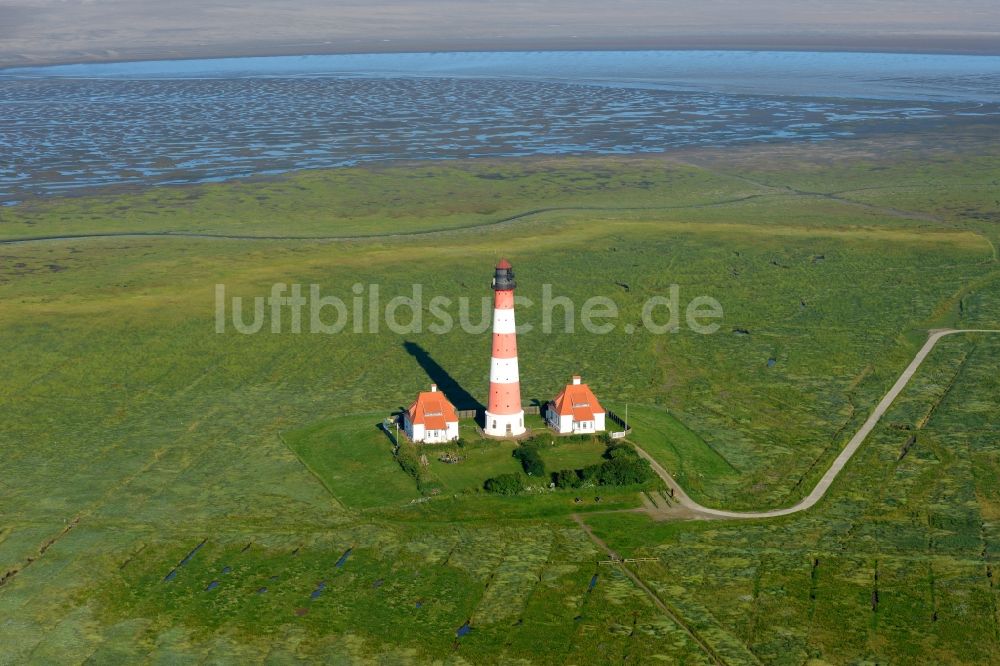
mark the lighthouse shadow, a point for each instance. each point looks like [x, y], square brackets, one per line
[458, 396]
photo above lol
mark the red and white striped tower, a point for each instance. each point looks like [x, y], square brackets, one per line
[504, 416]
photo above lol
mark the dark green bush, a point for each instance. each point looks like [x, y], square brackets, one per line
[408, 461]
[624, 471]
[530, 460]
[504, 484]
[590, 472]
[620, 450]
[567, 478]
[622, 467]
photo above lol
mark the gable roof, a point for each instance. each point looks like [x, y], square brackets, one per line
[432, 410]
[578, 401]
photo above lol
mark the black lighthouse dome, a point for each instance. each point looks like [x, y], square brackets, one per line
[503, 280]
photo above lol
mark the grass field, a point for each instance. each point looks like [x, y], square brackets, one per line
[353, 459]
[380, 201]
[132, 432]
[900, 555]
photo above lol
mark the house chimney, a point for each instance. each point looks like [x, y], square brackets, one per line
[434, 388]
[576, 379]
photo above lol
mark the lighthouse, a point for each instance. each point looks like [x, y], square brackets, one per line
[504, 416]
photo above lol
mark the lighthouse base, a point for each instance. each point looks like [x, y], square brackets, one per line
[504, 425]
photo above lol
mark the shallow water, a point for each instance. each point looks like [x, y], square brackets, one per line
[187, 558]
[69, 128]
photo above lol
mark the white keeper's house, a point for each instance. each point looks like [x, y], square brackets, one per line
[575, 410]
[431, 419]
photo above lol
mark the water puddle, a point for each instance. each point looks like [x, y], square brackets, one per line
[463, 630]
[318, 591]
[187, 558]
[343, 558]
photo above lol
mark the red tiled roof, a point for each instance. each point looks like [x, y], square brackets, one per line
[432, 410]
[578, 401]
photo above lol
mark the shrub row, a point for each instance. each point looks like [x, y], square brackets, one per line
[505, 484]
[406, 457]
[531, 461]
[622, 466]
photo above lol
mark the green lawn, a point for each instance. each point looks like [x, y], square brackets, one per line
[481, 460]
[565, 454]
[353, 459]
[700, 470]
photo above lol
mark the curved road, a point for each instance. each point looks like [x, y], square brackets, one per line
[698, 511]
[380, 236]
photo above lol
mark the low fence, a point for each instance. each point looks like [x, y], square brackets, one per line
[628, 560]
[388, 426]
[621, 423]
[477, 413]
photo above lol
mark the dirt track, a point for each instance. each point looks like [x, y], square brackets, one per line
[688, 508]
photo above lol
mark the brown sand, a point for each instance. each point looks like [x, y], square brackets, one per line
[60, 31]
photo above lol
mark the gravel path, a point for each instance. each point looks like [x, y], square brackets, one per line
[691, 509]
